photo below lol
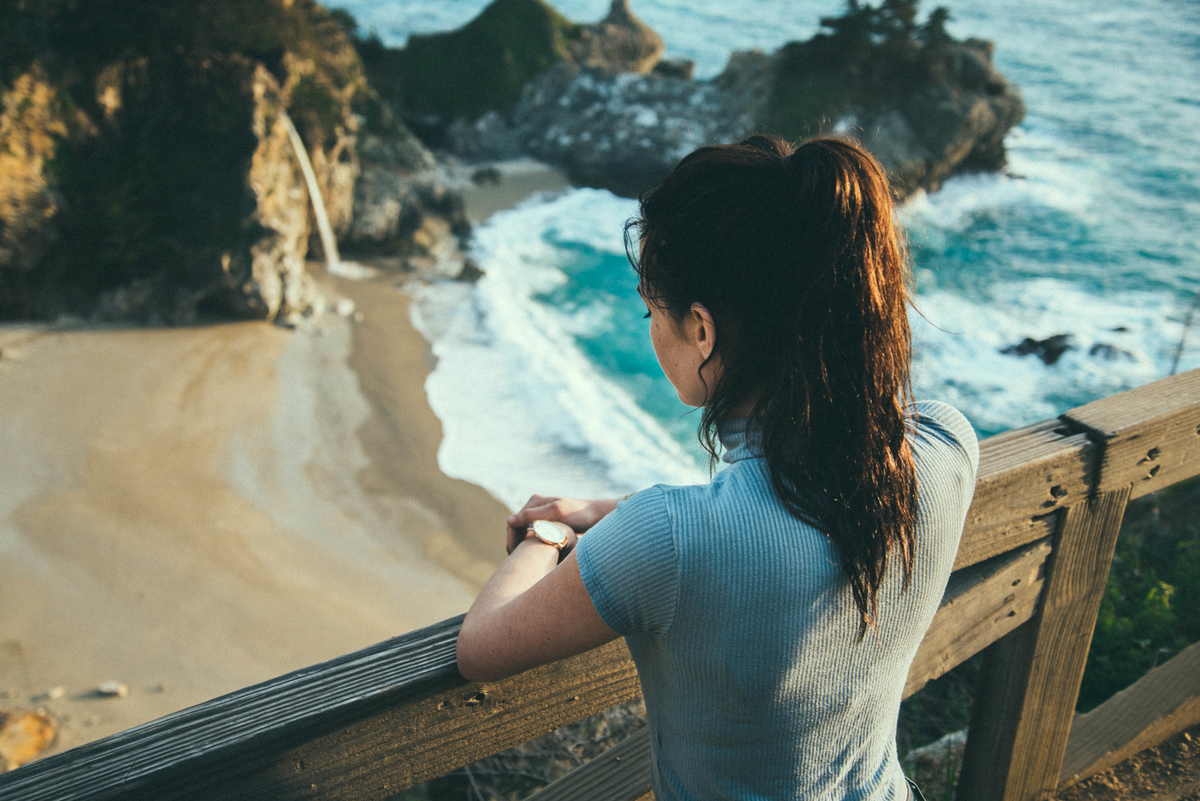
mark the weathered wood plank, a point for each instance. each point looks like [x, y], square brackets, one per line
[621, 773]
[1150, 435]
[982, 604]
[1031, 678]
[371, 722]
[1024, 476]
[377, 675]
[1161, 704]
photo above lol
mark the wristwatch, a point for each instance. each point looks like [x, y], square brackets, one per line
[548, 532]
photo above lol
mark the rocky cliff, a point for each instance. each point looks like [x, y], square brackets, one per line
[485, 65]
[927, 105]
[148, 172]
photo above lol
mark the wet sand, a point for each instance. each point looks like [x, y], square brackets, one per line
[189, 511]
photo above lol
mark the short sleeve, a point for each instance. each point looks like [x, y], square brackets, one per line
[629, 566]
[949, 424]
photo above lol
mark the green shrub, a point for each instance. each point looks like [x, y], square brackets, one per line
[1151, 606]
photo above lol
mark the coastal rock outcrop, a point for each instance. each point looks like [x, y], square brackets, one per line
[485, 65]
[148, 169]
[927, 105]
[403, 208]
[618, 43]
[619, 131]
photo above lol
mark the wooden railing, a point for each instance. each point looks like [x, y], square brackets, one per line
[1028, 580]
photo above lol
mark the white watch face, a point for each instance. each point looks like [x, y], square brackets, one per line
[548, 533]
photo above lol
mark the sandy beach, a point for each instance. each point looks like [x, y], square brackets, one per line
[188, 511]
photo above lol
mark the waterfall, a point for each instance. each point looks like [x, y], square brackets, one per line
[328, 241]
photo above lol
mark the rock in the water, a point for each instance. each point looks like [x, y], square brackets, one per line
[617, 131]
[676, 68]
[1049, 350]
[926, 105]
[484, 65]
[23, 735]
[478, 67]
[486, 175]
[1110, 353]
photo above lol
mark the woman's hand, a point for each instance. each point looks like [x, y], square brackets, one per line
[579, 514]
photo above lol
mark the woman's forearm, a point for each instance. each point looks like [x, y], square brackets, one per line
[531, 612]
[527, 565]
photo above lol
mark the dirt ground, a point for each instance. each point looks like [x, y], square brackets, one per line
[1167, 772]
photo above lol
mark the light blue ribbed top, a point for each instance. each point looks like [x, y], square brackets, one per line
[743, 627]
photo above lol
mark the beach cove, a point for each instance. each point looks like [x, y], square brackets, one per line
[192, 510]
[189, 510]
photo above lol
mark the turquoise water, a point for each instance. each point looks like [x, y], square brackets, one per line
[546, 380]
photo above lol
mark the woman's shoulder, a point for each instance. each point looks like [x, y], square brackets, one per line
[939, 421]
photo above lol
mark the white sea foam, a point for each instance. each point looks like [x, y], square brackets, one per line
[352, 270]
[1038, 174]
[1118, 343]
[523, 409]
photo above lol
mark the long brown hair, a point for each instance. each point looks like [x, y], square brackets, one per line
[797, 256]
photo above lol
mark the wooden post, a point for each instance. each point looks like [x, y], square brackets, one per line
[1031, 678]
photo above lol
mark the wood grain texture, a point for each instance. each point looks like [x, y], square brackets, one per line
[362, 726]
[1025, 475]
[1161, 704]
[982, 604]
[1030, 681]
[380, 756]
[620, 774]
[1150, 435]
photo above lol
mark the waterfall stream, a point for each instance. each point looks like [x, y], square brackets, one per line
[328, 240]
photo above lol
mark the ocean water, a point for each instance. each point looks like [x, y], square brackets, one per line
[546, 381]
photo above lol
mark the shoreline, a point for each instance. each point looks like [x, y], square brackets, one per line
[189, 511]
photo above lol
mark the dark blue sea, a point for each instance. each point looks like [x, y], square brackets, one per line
[545, 378]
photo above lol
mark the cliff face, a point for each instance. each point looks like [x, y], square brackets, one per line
[161, 184]
[33, 119]
[147, 168]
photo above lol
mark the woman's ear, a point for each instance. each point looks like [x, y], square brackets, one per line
[704, 329]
